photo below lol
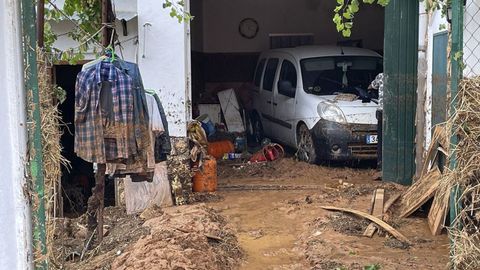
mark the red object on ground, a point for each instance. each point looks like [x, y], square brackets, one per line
[270, 152]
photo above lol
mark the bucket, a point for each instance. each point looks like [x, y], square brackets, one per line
[206, 180]
[218, 149]
[207, 124]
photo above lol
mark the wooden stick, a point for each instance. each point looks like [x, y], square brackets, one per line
[100, 182]
[378, 221]
[96, 203]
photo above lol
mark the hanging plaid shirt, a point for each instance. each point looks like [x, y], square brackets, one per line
[104, 120]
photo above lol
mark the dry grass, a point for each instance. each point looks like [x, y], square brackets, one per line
[52, 149]
[466, 126]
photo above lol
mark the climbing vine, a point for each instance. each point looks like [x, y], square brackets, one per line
[345, 11]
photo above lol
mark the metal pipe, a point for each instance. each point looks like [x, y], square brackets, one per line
[105, 41]
[34, 132]
[41, 23]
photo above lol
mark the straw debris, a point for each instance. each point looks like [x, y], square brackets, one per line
[50, 97]
[465, 124]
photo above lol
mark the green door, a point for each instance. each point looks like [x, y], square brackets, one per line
[439, 78]
[400, 92]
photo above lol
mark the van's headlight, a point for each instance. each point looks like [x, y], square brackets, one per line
[330, 112]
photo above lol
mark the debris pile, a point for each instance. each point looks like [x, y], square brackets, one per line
[465, 228]
[184, 237]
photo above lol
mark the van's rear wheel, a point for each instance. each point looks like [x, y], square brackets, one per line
[306, 145]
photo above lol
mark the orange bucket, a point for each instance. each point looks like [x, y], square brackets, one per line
[206, 180]
[218, 149]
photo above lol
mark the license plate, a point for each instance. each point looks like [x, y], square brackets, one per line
[372, 139]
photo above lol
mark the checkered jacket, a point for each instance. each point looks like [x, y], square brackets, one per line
[104, 132]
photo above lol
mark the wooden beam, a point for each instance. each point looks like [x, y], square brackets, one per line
[377, 221]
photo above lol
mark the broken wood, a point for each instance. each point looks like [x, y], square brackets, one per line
[390, 202]
[370, 230]
[96, 204]
[438, 211]
[378, 197]
[378, 221]
[372, 203]
[419, 193]
[439, 142]
[378, 207]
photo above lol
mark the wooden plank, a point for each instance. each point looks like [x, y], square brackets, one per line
[372, 203]
[390, 202]
[377, 221]
[378, 208]
[231, 110]
[379, 195]
[370, 230]
[419, 193]
[439, 140]
[438, 211]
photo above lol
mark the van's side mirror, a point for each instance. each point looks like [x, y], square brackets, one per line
[286, 88]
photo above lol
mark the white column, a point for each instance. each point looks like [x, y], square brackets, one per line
[163, 59]
[15, 223]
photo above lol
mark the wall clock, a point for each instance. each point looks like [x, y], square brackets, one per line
[248, 28]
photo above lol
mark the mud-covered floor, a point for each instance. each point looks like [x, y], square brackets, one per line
[275, 211]
[264, 216]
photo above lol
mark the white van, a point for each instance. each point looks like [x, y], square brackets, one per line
[315, 99]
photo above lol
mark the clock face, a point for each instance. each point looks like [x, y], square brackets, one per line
[248, 28]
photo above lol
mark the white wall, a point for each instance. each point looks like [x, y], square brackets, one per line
[164, 63]
[15, 224]
[129, 43]
[222, 17]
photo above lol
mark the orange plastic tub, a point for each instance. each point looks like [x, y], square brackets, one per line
[206, 180]
[218, 149]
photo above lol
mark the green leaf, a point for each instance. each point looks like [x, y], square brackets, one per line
[347, 32]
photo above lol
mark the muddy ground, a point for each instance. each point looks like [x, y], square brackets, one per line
[287, 229]
[263, 217]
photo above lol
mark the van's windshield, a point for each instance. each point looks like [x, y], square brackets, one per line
[339, 74]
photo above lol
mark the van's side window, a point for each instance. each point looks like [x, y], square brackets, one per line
[269, 76]
[259, 72]
[288, 73]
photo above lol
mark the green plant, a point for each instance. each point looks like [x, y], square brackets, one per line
[345, 11]
[372, 267]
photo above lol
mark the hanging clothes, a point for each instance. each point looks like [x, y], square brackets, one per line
[163, 145]
[102, 137]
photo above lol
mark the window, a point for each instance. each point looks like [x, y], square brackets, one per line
[269, 76]
[259, 72]
[288, 73]
[340, 74]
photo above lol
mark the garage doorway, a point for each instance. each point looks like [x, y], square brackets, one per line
[78, 180]
[227, 38]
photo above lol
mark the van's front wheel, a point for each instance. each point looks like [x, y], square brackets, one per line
[306, 145]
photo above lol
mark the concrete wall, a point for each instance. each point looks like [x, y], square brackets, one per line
[164, 62]
[15, 224]
[221, 20]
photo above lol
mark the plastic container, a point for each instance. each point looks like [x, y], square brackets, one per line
[218, 149]
[206, 180]
[207, 124]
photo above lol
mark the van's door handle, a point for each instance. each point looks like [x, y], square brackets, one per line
[275, 104]
[269, 102]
